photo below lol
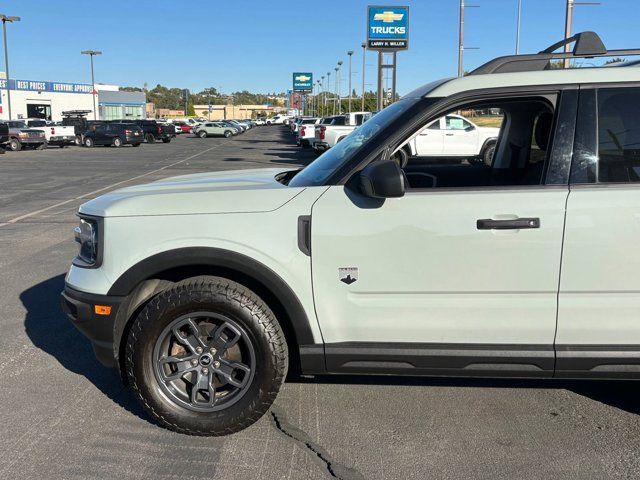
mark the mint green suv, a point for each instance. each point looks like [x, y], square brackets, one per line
[214, 129]
[206, 289]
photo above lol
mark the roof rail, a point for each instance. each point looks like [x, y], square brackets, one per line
[586, 45]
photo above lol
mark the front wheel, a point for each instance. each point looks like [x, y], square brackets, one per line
[227, 133]
[166, 140]
[202, 134]
[15, 145]
[206, 357]
[117, 142]
[150, 138]
[88, 142]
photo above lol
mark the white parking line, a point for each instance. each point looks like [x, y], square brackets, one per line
[84, 195]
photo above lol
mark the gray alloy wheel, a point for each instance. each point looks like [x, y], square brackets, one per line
[117, 142]
[204, 361]
[202, 134]
[88, 142]
[227, 133]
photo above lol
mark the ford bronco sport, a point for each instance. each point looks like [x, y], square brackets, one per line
[205, 289]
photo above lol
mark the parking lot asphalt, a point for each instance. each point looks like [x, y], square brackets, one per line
[63, 415]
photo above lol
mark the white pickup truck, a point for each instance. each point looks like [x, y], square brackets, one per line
[455, 137]
[55, 134]
[327, 135]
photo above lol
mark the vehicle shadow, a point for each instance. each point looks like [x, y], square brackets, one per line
[615, 393]
[50, 330]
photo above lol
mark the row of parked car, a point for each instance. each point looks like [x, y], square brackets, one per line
[452, 136]
[323, 133]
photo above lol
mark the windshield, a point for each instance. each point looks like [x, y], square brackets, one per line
[319, 171]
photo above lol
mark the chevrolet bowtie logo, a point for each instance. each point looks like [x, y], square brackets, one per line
[388, 17]
[303, 78]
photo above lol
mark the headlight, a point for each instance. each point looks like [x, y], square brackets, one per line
[86, 234]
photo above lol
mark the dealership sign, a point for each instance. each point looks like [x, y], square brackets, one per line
[39, 86]
[387, 28]
[302, 82]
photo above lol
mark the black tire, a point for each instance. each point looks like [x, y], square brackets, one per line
[166, 140]
[487, 155]
[147, 352]
[88, 142]
[42, 146]
[150, 138]
[227, 133]
[15, 145]
[62, 145]
[202, 134]
[135, 144]
[79, 140]
[117, 142]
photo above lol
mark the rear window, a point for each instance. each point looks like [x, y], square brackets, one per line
[308, 121]
[618, 135]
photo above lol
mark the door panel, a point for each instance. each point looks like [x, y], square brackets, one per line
[600, 284]
[430, 141]
[427, 274]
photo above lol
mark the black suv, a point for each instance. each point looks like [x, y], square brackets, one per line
[114, 134]
[153, 130]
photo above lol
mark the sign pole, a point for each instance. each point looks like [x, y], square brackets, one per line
[380, 80]
[393, 77]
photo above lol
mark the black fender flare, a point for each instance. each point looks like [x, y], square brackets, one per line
[225, 260]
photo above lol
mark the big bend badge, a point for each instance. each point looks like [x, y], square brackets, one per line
[348, 275]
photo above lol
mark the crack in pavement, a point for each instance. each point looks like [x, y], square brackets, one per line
[334, 469]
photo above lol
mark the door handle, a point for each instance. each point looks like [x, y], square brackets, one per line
[449, 134]
[514, 224]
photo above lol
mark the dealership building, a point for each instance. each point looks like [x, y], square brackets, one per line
[48, 99]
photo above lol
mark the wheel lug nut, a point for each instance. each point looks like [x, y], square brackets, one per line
[194, 362]
[199, 349]
[212, 351]
[205, 370]
[216, 364]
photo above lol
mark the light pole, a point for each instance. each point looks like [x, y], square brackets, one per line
[91, 54]
[328, 88]
[350, 53]
[339, 87]
[335, 82]
[518, 27]
[318, 97]
[364, 58]
[6, 19]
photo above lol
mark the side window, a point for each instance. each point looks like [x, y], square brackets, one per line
[511, 145]
[456, 123]
[618, 135]
[435, 125]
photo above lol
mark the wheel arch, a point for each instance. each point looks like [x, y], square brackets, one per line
[487, 143]
[140, 283]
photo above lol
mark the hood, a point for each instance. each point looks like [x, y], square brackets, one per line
[236, 191]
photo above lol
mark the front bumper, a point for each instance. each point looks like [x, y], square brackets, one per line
[32, 140]
[79, 307]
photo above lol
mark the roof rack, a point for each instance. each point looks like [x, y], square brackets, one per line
[587, 45]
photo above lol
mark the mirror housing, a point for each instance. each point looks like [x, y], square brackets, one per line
[382, 179]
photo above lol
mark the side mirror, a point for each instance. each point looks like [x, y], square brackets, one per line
[470, 128]
[382, 179]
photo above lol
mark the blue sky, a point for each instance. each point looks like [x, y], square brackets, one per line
[257, 44]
